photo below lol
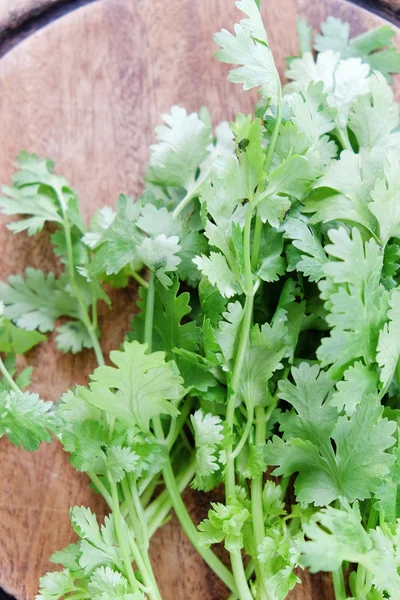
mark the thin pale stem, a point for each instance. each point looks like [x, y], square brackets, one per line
[257, 511]
[101, 487]
[140, 279]
[121, 537]
[8, 378]
[91, 329]
[236, 558]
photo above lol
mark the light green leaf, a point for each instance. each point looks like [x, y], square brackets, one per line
[388, 350]
[25, 419]
[38, 300]
[160, 256]
[249, 48]
[218, 273]
[147, 386]
[72, 337]
[182, 146]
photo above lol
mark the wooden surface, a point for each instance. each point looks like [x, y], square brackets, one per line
[87, 90]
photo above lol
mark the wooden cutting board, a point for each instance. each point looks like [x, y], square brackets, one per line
[87, 90]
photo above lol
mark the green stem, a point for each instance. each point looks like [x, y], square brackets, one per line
[121, 537]
[187, 198]
[8, 378]
[162, 504]
[338, 578]
[148, 322]
[72, 273]
[256, 242]
[139, 525]
[245, 435]
[139, 511]
[190, 529]
[169, 478]
[344, 139]
[178, 423]
[139, 279]
[338, 584]
[363, 585]
[398, 374]
[148, 577]
[149, 491]
[257, 511]
[101, 487]
[274, 137]
[141, 535]
[249, 570]
[236, 558]
[268, 162]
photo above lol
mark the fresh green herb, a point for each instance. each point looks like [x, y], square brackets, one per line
[266, 338]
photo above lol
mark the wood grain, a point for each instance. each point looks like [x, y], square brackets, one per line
[88, 91]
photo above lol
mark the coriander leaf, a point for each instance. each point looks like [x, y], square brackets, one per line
[14, 339]
[271, 264]
[224, 523]
[313, 119]
[120, 460]
[25, 419]
[334, 536]
[211, 301]
[157, 221]
[56, 585]
[358, 381]
[100, 221]
[227, 332]
[278, 554]
[388, 494]
[292, 178]
[73, 337]
[250, 49]
[253, 461]
[265, 351]
[98, 547]
[118, 245]
[160, 256]
[218, 273]
[305, 239]
[348, 177]
[182, 146]
[388, 350]
[375, 116]
[35, 180]
[107, 584]
[38, 207]
[147, 386]
[310, 397]
[73, 408]
[359, 462]
[192, 244]
[304, 33]
[386, 199]
[291, 311]
[171, 328]
[250, 152]
[209, 435]
[343, 80]
[38, 300]
[68, 557]
[87, 443]
[336, 36]
[354, 297]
